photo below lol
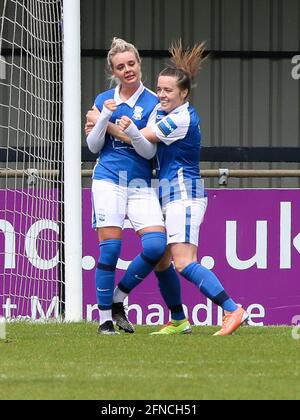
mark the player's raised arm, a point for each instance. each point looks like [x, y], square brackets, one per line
[144, 146]
[115, 131]
[96, 138]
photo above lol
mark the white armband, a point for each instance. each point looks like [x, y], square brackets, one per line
[96, 138]
[142, 146]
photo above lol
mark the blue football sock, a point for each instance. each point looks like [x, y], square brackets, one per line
[170, 289]
[209, 285]
[154, 246]
[105, 272]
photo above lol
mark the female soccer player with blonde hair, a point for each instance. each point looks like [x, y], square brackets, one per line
[122, 186]
[173, 130]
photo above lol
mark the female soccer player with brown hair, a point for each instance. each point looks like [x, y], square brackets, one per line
[173, 130]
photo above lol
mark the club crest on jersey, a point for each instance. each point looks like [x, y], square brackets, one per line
[101, 216]
[167, 126]
[138, 112]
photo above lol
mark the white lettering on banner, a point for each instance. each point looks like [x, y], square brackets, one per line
[139, 313]
[9, 244]
[207, 308]
[296, 242]
[285, 235]
[260, 257]
[296, 69]
[89, 311]
[8, 306]
[286, 242]
[31, 245]
[36, 308]
[256, 311]
[159, 315]
[38, 312]
[201, 314]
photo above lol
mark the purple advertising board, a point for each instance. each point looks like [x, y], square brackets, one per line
[249, 238]
[29, 253]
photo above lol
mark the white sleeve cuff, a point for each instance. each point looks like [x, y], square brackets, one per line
[142, 146]
[132, 131]
[106, 112]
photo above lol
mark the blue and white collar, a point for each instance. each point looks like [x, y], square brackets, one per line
[132, 100]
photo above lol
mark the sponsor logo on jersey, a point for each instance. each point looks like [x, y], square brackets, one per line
[118, 144]
[138, 112]
[160, 115]
[167, 126]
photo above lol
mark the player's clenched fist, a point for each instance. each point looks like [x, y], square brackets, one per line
[124, 123]
[92, 115]
[111, 105]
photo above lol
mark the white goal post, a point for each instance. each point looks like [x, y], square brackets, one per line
[72, 160]
[40, 138]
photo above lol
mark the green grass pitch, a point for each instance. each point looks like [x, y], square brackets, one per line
[70, 361]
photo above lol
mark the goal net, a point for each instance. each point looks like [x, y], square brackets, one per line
[31, 156]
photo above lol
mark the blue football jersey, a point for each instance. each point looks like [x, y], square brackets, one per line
[178, 153]
[118, 162]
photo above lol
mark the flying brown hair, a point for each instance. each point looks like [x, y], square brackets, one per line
[187, 60]
[185, 64]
